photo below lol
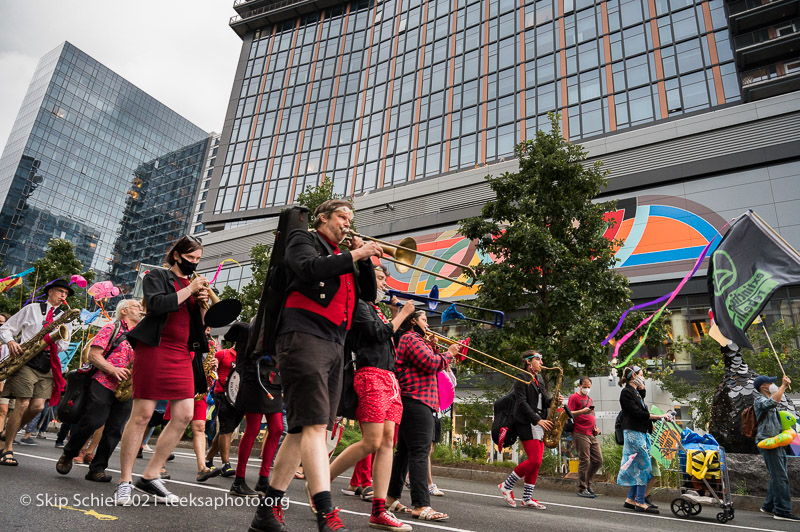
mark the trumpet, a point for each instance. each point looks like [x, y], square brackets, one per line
[405, 253]
[445, 341]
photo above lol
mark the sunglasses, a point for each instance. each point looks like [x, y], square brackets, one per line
[196, 239]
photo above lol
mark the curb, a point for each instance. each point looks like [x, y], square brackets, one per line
[665, 495]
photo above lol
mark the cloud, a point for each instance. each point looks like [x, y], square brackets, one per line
[181, 52]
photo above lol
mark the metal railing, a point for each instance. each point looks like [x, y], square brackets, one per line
[734, 8]
[771, 33]
[276, 6]
[769, 72]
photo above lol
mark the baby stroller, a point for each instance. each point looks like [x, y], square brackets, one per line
[703, 476]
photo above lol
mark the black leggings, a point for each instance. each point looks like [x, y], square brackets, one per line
[413, 446]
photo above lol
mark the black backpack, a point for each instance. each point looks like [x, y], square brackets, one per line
[73, 400]
[274, 293]
[619, 434]
[503, 432]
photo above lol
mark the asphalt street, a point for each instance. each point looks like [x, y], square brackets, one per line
[35, 498]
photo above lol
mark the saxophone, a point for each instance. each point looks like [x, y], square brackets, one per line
[557, 416]
[36, 344]
[208, 369]
[123, 391]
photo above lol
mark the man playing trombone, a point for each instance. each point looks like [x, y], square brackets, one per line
[324, 286]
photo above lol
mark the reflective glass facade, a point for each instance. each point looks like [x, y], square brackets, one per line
[158, 211]
[67, 168]
[375, 94]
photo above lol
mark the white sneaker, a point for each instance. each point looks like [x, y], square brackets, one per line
[147, 448]
[508, 495]
[122, 495]
[533, 503]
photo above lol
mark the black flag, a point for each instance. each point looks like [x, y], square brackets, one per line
[751, 262]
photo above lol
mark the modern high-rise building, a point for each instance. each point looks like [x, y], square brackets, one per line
[159, 210]
[197, 227]
[693, 106]
[81, 134]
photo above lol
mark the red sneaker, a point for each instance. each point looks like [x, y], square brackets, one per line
[386, 521]
[508, 495]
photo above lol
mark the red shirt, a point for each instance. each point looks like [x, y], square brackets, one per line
[584, 423]
[119, 358]
[226, 359]
[417, 368]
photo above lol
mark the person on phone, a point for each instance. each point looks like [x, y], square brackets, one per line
[590, 457]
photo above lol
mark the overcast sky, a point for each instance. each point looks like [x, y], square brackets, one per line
[181, 52]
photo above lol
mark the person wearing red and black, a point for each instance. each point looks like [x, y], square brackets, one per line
[530, 422]
[259, 396]
[417, 367]
[379, 406]
[228, 417]
[590, 457]
[323, 287]
[111, 357]
[164, 367]
[40, 379]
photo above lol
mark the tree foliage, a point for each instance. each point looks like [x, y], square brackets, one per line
[59, 261]
[553, 266]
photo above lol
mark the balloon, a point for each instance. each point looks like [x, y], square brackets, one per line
[103, 289]
[781, 440]
[788, 420]
[78, 280]
[447, 392]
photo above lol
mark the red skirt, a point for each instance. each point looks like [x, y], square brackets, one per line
[165, 371]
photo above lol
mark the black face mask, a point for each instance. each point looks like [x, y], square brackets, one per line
[187, 268]
[419, 330]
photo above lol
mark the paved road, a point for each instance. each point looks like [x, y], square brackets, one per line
[472, 506]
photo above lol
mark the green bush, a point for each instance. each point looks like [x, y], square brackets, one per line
[612, 458]
[550, 463]
[472, 452]
[350, 436]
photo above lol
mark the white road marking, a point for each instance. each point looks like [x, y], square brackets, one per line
[413, 522]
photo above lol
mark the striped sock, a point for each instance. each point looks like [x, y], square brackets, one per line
[527, 493]
[511, 481]
[378, 506]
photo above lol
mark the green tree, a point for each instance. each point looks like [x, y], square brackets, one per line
[59, 261]
[555, 268]
[710, 366]
[313, 196]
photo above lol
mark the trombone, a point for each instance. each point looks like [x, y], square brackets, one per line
[449, 341]
[405, 253]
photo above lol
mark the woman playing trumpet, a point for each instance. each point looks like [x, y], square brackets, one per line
[163, 367]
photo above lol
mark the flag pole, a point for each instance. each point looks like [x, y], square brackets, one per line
[764, 325]
[774, 231]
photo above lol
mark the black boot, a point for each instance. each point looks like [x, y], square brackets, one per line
[262, 485]
[330, 522]
[240, 488]
[268, 518]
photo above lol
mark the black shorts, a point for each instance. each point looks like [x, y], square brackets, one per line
[228, 417]
[311, 375]
[437, 428]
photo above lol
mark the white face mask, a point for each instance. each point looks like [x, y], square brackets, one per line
[638, 381]
[773, 388]
[381, 295]
[585, 391]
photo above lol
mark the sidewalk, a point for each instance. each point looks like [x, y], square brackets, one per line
[607, 489]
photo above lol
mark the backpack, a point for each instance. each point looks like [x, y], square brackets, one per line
[503, 432]
[274, 293]
[619, 434]
[71, 405]
[749, 423]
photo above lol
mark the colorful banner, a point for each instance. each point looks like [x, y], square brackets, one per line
[664, 440]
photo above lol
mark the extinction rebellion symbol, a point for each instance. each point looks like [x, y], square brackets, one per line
[743, 302]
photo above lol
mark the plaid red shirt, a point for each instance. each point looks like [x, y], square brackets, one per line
[417, 367]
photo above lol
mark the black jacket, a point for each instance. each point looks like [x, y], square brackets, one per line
[526, 411]
[160, 298]
[371, 339]
[635, 414]
[313, 270]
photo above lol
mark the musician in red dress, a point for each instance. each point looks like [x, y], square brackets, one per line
[163, 367]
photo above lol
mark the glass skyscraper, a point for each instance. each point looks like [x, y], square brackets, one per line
[377, 94]
[66, 171]
[159, 210]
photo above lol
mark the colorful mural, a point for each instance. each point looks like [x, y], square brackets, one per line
[660, 235]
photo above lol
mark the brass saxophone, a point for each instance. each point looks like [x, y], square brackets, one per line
[36, 343]
[123, 391]
[557, 416]
[211, 375]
